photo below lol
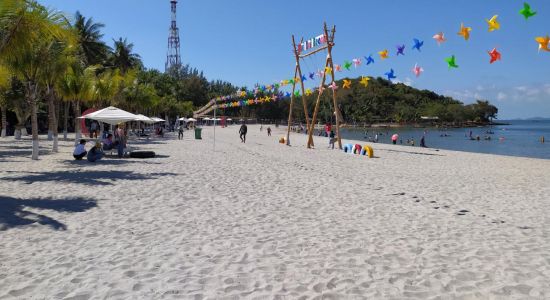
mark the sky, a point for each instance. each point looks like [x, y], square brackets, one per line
[249, 41]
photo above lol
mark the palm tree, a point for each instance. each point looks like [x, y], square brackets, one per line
[58, 59]
[91, 49]
[26, 29]
[4, 86]
[123, 58]
[105, 87]
[76, 86]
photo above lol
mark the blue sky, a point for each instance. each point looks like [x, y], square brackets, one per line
[249, 41]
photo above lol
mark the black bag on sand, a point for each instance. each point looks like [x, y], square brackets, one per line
[142, 154]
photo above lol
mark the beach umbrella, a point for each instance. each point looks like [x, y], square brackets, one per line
[110, 115]
[144, 119]
[157, 119]
[182, 119]
[191, 120]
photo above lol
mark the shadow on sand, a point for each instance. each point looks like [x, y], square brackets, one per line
[13, 213]
[84, 177]
[108, 161]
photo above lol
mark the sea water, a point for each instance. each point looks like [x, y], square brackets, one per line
[519, 138]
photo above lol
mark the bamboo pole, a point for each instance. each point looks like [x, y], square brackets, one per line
[335, 102]
[330, 43]
[299, 69]
[316, 110]
[290, 108]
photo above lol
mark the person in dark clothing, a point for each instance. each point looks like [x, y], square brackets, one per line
[268, 131]
[242, 133]
[331, 139]
[95, 153]
[422, 142]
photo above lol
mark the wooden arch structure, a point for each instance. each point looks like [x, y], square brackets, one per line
[301, 51]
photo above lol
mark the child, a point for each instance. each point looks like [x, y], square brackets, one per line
[80, 150]
[331, 139]
[95, 153]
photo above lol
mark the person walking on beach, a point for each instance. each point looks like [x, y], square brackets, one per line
[268, 131]
[180, 132]
[423, 142]
[242, 133]
[331, 139]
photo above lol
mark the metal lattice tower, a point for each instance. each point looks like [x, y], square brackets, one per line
[173, 58]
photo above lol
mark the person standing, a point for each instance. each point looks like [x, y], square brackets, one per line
[331, 139]
[423, 142]
[121, 140]
[268, 131]
[93, 129]
[242, 132]
[180, 132]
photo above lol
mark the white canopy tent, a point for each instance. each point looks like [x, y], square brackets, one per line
[110, 115]
[191, 120]
[144, 119]
[157, 119]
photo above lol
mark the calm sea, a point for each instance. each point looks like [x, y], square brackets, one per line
[520, 138]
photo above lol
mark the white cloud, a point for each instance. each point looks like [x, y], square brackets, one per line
[501, 96]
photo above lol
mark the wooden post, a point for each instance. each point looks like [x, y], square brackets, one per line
[299, 72]
[316, 110]
[334, 101]
[328, 63]
[290, 108]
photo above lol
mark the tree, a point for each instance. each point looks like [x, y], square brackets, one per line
[27, 29]
[91, 49]
[4, 86]
[76, 86]
[57, 60]
[123, 58]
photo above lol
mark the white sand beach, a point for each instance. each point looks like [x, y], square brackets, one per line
[265, 221]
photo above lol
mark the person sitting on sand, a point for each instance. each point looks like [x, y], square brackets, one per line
[108, 142]
[95, 153]
[80, 150]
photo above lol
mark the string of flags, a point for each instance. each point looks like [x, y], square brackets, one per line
[243, 98]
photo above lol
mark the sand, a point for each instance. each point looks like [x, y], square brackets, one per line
[265, 221]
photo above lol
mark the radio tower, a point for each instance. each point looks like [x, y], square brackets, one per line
[173, 58]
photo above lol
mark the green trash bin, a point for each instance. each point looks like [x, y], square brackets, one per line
[198, 133]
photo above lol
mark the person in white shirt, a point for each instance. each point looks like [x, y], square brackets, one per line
[80, 150]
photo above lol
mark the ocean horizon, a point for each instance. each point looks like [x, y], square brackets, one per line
[517, 138]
